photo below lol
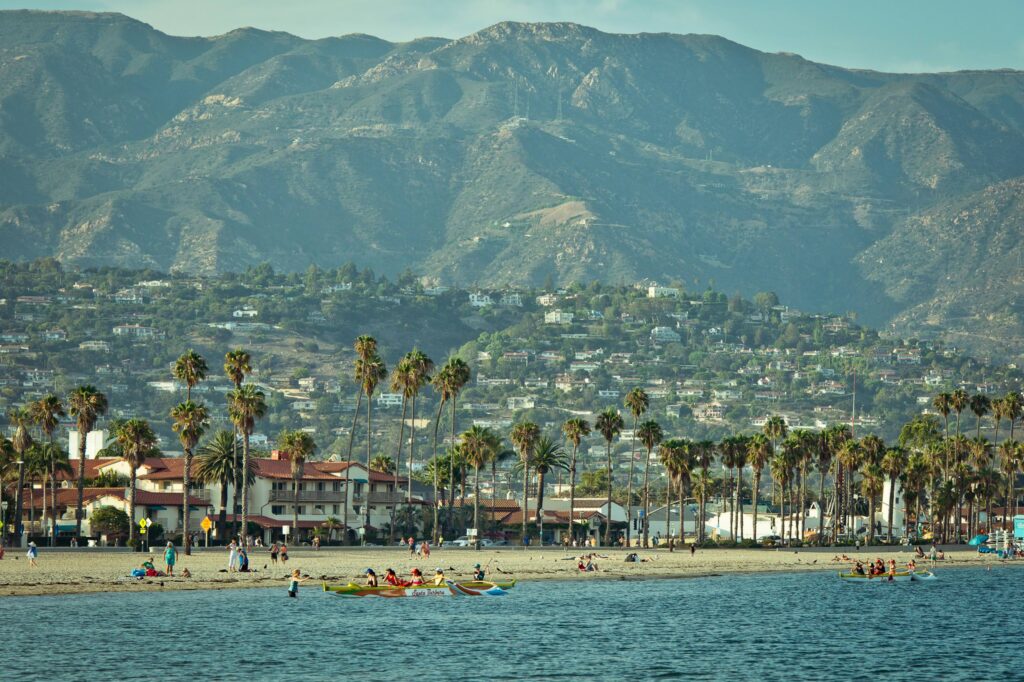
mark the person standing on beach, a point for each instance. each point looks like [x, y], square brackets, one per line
[293, 583]
[412, 546]
[170, 556]
[274, 549]
[284, 553]
[33, 553]
[232, 556]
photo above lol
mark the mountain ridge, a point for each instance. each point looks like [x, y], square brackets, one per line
[520, 152]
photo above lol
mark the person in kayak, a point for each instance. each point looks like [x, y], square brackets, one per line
[439, 577]
[892, 570]
[858, 568]
[371, 578]
[390, 578]
[417, 577]
[478, 573]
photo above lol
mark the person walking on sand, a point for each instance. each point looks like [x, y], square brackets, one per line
[284, 553]
[232, 556]
[293, 583]
[274, 550]
[170, 557]
[33, 554]
[412, 546]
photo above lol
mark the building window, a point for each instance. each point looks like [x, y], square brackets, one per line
[337, 486]
[302, 509]
[277, 509]
[336, 509]
[318, 509]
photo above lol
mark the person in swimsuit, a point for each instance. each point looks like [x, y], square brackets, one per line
[391, 578]
[417, 577]
[33, 554]
[371, 578]
[293, 583]
[274, 549]
[439, 577]
[170, 556]
[284, 553]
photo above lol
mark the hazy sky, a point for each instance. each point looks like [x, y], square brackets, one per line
[891, 35]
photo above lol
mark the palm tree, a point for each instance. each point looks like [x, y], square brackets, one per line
[893, 463]
[823, 451]
[637, 402]
[137, 442]
[524, 437]
[190, 369]
[35, 469]
[365, 347]
[46, 413]
[835, 436]
[21, 420]
[980, 405]
[871, 487]
[780, 469]
[383, 464]
[297, 445]
[331, 524]
[246, 405]
[609, 425]
[849, 458]
[958, 402]
[943, 404]
[456, 374]
[1012, 409]
[759, 452]
[237, 364]
[189, 422]
[1009, 465]
[477, 442]
[996, 406]
[575, 430]
[650, 434]
[547, 455]
[373, 372]
[86, 405]
[704, 452]
[215, 464]
[412, 378]
[668, 453]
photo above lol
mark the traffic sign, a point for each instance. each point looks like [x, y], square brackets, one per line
[206, 524]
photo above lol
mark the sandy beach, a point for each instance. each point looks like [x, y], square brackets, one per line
[84, 570]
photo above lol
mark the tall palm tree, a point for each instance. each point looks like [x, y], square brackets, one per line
[365, 347]
[297, 445]
[21, 420]
[383, 464]
[412, 380]
[669, 455]
[996, 407]
[943, 404]
[524, 437]
[636, 402]
[958, 402]
[835, 435]
[1012, 409]
[373, 372]
[190, 369]
[650, 434]
[477, 442]
[759, 452]
[237, 364]
[1009, 465]
[86, 405]
[190, 421]
[575, 430]
[892, 465]
[609, 424]
[547, 455]
[849, 457]
[455, 374]
[871, 486]
[780, 469]
[215, 464]
[35, 470]
[823, 453]
[246, 405]
[704, 452]
[46, 413]
[137, 442]
[980, 405]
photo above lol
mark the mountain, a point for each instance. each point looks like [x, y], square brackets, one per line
[518, 153]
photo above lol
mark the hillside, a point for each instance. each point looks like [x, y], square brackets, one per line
[518, 153]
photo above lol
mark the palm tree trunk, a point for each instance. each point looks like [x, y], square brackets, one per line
[572, 493]
[647, 500]
[821, 508]
[398, 467]
[437, 422]
[608, 526]
[682, 514]
[412, 453]
[757, 485]
[629, 486]
[668, 512]
[476, 506]
[369, 439]
[81, 482]
[349, 497]
[131, 507]
[53, 499]
[295, 509]
[892, 498]
[222, 521]
[451, 471]
[871, 520]
[739, 503]
[803, 501]
[244, 476]
[235, 508]
[540, 509]
[494, 490]
[186, 541]
[526, 499]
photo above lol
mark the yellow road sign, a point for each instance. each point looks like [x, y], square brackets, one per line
[206, 524]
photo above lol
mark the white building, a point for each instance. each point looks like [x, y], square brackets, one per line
[480, 300]
[662, 292]
[94, 442]
[665, 335]
[558, 317]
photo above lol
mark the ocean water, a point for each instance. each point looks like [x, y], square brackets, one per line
[967, 625]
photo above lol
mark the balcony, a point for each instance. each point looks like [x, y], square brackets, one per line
[385, 498]
[307, 496]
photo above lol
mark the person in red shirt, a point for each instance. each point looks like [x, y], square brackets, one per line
[417, 577]
[391, 579]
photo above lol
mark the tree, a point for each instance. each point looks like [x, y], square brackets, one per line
[575, 430]
[980, 405]
[21, 420]
[237, 364]
[892, 465]
[547, 455]
[189, 421]
[637, 402]
[190, 369]
[297, 446]
[849, 457]
[373, 371]
[246, 405]
[943, 404]
[477, 445]
[383, 464]
[46, 413]
[365, 347]
[86, 405]
[137, 442]
[215, 464]
[759, 453]
[609, 425]
[524, 437]
[650, 434]
[1012, 409]
[409, 376]
[454, 375]
[871, 487]
[109, 521]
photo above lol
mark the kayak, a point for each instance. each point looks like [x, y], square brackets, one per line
[450, 588]
[471, 585]
[900, 577]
